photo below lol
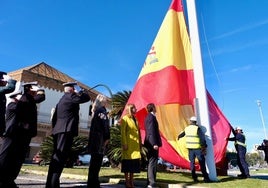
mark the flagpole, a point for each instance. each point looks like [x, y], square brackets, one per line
[201, 106]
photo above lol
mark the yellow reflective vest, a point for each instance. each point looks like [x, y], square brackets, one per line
[241, 141]
[192, 138]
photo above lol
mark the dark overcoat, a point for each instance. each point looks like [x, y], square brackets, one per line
[99, 131]
[152, 135]
[8, 88]
[66, 115]
[27, 112]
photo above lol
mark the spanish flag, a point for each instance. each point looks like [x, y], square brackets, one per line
[167, 80]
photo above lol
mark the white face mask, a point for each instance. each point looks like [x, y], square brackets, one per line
[34, 88]
[18, 97]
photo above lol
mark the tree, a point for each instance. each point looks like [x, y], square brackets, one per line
[119, 101]
[114, 152]
[231, 158]
[254, 159]
[251, 158]
[79, 146]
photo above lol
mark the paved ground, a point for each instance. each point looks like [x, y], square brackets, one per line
[38, 181]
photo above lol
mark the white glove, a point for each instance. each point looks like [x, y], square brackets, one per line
[6, 78]
[18, 97]
[77, 89]
[34, 88]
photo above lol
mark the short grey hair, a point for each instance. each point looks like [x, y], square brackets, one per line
[68, 89]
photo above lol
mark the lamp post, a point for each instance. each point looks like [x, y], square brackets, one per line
[262, 119]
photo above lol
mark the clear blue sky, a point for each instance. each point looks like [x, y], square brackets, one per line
[107, 42]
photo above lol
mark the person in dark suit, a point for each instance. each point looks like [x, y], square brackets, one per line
[9, 144]
[152, 142]
[25, 128]
[264, 147]
[27, 117]
[7, 85]
[65, 122]
[99, 136]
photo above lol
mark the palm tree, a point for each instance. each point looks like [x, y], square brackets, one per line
[114, 152]
[119, 101]
[79, 146]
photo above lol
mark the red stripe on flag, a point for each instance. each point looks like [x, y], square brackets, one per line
[166, 86]
[176, 5]
[220, 128]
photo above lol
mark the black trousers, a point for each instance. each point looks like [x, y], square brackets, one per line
[94, 169]
[241, 161]
[152, 156]
[62, 147]
[12, 155]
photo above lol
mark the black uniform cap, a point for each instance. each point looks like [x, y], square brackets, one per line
[69, 84]
[29, 84]
[1, 74]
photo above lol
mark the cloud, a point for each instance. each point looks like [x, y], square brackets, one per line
[234, 90]
[225, 48]
[244, 68]
[245, 44]
[241, 29]
[239, 69]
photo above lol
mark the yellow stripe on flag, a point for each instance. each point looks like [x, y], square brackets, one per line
[171, 46]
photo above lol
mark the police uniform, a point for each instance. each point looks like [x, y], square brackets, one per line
[99, 134]
[241, 148]
[264, 147]
[6, 86]
[27, 121]
[8, 150]
[65, 123]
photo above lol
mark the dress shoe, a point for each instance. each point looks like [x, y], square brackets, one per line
[207, 181]
[196, 180]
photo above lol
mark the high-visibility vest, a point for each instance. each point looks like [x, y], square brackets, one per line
[192, 138]
[241, 143]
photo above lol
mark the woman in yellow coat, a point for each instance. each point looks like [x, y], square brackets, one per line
[131, 145]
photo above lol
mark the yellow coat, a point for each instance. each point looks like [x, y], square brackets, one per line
[130, 136]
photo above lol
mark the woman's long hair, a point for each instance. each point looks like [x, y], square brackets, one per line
[129, 108]
[99, 102]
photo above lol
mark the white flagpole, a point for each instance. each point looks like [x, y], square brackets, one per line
[200, 88]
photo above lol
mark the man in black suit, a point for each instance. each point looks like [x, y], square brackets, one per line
[8, 149]
[264, 147]
[21, 120]
[7, 85]
[152, 142]
[65, 123]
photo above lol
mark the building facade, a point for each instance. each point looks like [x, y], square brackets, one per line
[51, 80]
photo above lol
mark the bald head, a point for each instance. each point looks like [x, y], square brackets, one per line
[68, 89]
